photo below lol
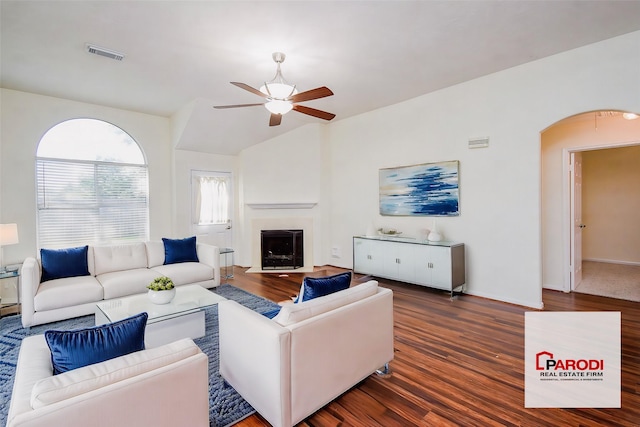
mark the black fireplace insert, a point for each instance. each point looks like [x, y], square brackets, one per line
[281, 249]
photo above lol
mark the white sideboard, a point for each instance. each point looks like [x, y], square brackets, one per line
[434, 264]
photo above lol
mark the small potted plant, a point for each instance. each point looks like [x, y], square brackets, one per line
[161, 290]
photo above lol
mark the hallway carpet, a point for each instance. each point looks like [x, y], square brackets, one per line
[610, 280]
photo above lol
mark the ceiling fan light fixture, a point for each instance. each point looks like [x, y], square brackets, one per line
[279, 91]
[279, 107]
[630, 116]
[280, 97]
[278, 88]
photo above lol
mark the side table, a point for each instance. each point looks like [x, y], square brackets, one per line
[228, 267]
[11, 274]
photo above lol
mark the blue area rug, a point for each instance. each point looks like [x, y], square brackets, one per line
[226, 406]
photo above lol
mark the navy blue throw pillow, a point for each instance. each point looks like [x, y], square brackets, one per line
[75, 349]
[180, 250]
[60, 263]
[313, 287]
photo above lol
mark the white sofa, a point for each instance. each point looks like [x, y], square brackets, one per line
[164, 386]
[311, 352]
[114, 271]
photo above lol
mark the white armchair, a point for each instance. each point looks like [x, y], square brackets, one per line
[326, 346]
[164, 386]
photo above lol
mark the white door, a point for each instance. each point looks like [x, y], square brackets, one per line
[433, 266]
[399, 261]
[361, 256]
[576, 215]
[211, 207]
[367, 258]
[406, 262]
[422, 263]
[390, 260]
[441, 267]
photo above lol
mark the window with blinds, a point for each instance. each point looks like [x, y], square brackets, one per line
[84, 199]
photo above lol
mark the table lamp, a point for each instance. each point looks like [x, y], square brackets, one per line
[8, 236]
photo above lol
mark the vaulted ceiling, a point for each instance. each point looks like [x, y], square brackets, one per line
[181, 55]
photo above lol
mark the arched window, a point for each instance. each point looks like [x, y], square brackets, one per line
[92, 186]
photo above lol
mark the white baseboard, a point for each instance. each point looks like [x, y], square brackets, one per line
[611, 261]
[553, 287]
[532, 304]
[279, 271]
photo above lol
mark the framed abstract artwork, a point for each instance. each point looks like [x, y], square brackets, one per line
[428, 189]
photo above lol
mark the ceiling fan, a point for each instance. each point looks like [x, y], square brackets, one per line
[282, 97]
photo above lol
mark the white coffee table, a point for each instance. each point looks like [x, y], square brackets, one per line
[181, 318]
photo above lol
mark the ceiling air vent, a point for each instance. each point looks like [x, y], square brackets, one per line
[108, 53]
[479, 142]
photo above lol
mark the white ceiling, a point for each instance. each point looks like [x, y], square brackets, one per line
[181, 55]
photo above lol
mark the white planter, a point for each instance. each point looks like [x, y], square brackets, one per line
[161, 297]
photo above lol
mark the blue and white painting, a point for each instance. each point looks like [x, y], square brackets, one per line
[429, 189]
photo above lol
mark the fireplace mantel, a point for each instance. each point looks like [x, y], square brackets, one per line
[281, 205]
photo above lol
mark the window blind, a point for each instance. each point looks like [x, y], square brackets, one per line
[85, 202]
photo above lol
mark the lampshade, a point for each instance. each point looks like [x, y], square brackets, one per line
[278, 90]
[8, 234]
[278, 107]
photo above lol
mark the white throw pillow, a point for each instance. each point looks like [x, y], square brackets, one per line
[294, 313]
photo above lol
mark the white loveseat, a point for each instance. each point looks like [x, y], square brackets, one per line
[164, 386]
[114, 271]
[311, 352]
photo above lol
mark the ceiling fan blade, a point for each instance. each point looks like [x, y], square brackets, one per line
[275, 119]
[319, 92]
[236, 106]
[313, 112]
[249, 88]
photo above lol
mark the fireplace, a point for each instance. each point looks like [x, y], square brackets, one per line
[281, 249]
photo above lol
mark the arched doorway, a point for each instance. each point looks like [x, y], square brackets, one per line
[595, 135]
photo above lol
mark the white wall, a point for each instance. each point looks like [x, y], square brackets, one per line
[500, 190]
[610, 204]
[27, 117]
[500, 222]
[500, 186]
[289, 169]
[577, 133]
[336, 165]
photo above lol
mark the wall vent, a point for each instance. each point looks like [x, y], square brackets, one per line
[479, 142]
[107, 53]
[608, 113]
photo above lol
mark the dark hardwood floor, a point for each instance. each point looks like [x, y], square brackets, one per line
[459, 362]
